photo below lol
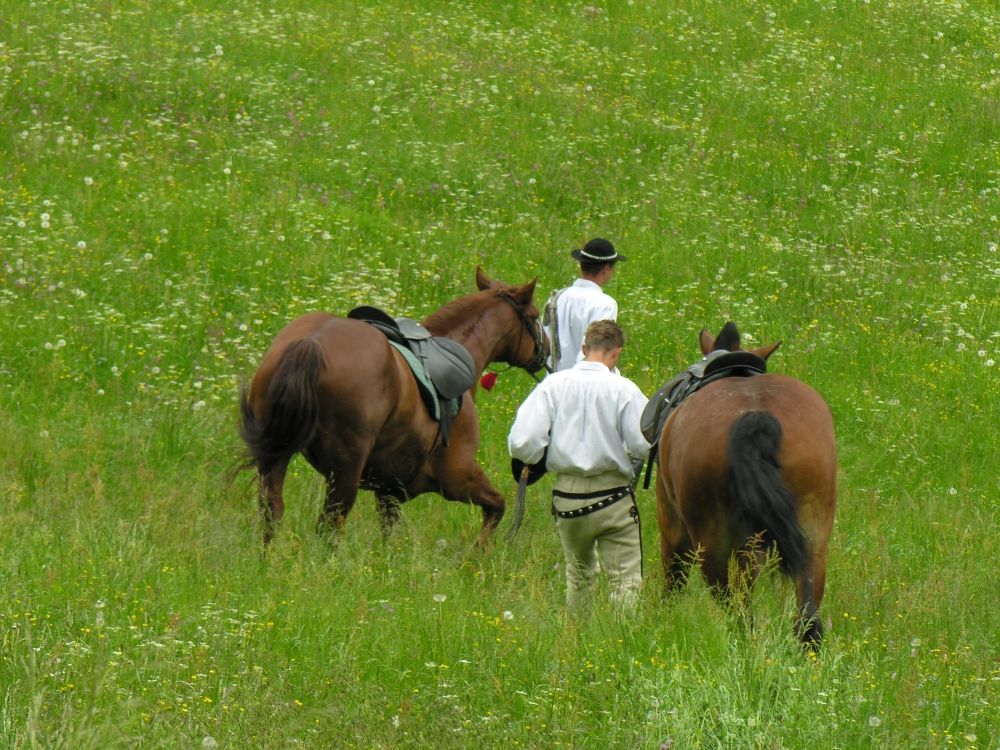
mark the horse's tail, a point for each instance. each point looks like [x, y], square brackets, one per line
[292, 414]
[762, 499]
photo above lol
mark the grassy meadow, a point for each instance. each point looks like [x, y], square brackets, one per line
[179, 179]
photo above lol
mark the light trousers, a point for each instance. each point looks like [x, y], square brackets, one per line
[608, 539]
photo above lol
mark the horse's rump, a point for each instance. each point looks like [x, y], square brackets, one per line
[291, 418]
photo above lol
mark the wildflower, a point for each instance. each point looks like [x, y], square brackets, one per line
[874, 721]
[439, 598]
[508, 615]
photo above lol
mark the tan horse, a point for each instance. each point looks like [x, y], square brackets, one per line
[746, 464]
[335, 390]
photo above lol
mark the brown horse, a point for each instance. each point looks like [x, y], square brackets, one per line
[335, 390]
[745, 464]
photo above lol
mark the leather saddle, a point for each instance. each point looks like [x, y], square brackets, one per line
[713, 366]
[443, 368]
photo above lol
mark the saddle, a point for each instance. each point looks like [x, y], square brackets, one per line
[443, 368]
[713, 366]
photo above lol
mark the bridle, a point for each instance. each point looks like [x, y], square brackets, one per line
[538, 361]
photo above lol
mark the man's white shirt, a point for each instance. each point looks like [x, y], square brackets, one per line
[587, 416]
[578, 306]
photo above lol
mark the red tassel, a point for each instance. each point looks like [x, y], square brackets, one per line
[488, 380]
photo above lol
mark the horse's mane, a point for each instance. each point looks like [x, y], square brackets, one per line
[457, 312]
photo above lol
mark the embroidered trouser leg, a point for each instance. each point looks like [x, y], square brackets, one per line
[610, 539]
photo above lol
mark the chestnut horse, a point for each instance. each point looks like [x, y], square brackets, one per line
[335, 390]
[746, 464]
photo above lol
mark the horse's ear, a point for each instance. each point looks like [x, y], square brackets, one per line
[483, 281]
[766, 351]
[728, 338]
[706, 340]
[524, 294]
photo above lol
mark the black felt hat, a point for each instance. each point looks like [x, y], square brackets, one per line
[598, 250]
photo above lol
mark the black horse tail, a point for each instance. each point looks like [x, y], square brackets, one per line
[292, 413]
[763, 502]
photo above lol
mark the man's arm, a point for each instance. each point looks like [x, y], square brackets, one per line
[529, 436]
[631, 418]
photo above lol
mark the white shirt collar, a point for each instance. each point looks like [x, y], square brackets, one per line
[585, 365]
[587, 284]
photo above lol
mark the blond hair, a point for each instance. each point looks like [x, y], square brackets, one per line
[603, 336]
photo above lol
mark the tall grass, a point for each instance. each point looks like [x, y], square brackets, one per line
[180, 179]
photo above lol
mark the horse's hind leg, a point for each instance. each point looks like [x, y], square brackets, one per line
[388, 512]
[341, 494]
[808, 594]
[272, 505]
[676, 548]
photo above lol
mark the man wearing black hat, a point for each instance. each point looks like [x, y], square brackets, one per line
[570, 310]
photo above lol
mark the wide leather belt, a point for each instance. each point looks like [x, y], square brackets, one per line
[608, 497]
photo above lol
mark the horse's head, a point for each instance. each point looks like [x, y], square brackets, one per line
[527, 345]
[729, 340]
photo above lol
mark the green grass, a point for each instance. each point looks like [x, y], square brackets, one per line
[180, 179]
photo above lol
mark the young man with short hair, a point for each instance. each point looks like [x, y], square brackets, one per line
[585, 423]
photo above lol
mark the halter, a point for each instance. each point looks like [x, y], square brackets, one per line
[535, 331]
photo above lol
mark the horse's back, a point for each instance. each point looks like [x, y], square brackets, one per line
[346, 344]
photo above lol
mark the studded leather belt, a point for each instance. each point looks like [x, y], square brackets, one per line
[608, 497]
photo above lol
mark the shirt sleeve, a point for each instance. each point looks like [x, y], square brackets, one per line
[529, 436]
[631, 418]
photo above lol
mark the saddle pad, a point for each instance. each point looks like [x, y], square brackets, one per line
[427, 392]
